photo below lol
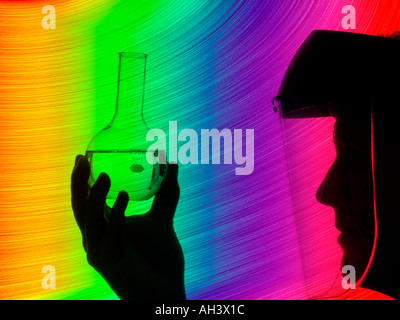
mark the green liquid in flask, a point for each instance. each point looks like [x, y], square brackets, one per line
[128, 170]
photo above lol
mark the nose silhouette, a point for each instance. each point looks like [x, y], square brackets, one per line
[332, 190]
[322, 194]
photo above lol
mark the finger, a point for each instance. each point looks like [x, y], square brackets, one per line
[117, 215]
[80, 188]
[77, 158]
[107, 212]
[166, 199]
[94, 218]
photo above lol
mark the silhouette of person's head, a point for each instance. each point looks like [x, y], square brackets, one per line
[348, 187]
[354, 78]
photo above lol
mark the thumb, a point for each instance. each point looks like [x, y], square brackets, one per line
[166, 199]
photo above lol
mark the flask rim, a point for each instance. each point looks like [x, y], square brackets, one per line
[136, 55]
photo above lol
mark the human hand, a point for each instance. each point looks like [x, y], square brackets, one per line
[139, 256]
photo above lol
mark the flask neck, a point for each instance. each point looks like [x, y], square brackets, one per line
[130, 91]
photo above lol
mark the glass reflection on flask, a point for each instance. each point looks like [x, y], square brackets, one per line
[121, 149]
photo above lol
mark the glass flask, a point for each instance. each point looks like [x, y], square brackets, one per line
[120, 149]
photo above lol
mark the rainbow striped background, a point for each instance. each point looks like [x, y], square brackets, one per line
[212, 64]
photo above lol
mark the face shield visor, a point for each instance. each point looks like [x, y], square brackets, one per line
[332, 118]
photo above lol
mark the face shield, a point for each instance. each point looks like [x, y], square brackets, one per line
[334, 122]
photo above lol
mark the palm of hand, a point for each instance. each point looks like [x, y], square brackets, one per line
[139, 256]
